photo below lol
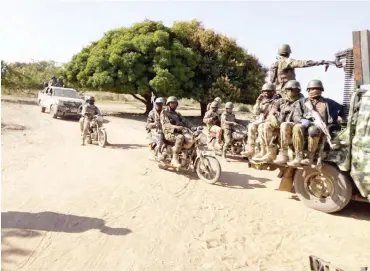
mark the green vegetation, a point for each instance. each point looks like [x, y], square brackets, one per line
[185, 60]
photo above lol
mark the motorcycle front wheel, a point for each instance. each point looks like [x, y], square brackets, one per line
[208, 169]
[102, 138]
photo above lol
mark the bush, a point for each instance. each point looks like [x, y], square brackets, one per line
[244, 108]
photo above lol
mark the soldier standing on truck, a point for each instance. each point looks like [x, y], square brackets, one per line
[282, 70]
[281, 116]
[261, 109]
[303, 117]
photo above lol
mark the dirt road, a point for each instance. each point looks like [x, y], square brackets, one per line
[68, 207]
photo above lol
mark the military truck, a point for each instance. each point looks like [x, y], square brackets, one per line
[344, 172]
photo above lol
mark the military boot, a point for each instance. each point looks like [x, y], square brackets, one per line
[175, 161]
[297, 160]
[269, 157]
[309, 160]
[282, 158]
[262, 153]
[250, 151]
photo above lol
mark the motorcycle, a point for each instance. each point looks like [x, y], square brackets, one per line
[97, 132]
[239, 140]
[192, 157]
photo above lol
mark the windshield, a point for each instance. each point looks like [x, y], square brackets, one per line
[62, 92]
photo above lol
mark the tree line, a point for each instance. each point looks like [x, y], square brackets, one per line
[185, 60]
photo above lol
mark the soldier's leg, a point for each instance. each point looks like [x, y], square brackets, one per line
[227, 138]
[263, 142]
[285, 139]
[267, 134]
[81, 121]
[86, 132]
[298, 143]
[217, 130]
[177, 149]
[251, 141]
[314, 134]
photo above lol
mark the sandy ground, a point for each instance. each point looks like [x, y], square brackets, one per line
[68, 207]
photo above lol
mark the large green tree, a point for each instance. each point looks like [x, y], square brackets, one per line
[224, 69]
[139, 60]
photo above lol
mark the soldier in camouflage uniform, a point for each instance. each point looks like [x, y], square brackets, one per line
[282, 70]
[212, 120]
[153, 125]
[261, 109]
[172, 124]
[218, 100]
[53, 81]
[281, 116]
[302, 116]
[89, 110]
[228, 121]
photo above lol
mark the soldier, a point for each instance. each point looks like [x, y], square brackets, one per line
[302, 116]
[282, 70]
[153, 124]
[172, 124]
[89, 109]
[281, 116]
[60, 82]
[261, 109]
[218, 100]
[53, 81]
[212, 120]
[228, 121]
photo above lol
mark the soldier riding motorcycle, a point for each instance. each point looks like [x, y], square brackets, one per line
[91, 124]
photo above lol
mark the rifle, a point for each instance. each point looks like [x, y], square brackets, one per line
[274, 72]
[317, 120]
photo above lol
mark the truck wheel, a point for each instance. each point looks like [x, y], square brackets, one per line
[327, 192]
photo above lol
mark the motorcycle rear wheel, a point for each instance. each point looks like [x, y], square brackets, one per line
[209, 171]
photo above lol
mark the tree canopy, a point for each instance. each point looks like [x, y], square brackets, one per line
[20, 75]
[185, 60]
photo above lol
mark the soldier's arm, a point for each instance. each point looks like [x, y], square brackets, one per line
[207, 117]
[166, 122]
[257, 108]
[84, 108]
[150, 123]
[223, 120]
[273, 72]
[297, 112]
[292, 63]
[275, 108]
[97, 111]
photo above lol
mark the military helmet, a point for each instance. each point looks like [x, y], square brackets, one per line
[293, 84]
[172, 99]
[315, 84]
[284, 49]
[159, 100]
[229, 105]
[217, 99]
[90, 98]
[268, 87]
[214, 104]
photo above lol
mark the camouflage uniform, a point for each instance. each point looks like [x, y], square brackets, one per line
[169, 119]
[227, 124]
[302, 116]
[260, 109]
[154, 127]
[282, 70]
[53, 81]
[87, 114]
[212, 120]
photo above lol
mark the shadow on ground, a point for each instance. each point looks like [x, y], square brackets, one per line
[237, 180]
[125, 146]
[9, 251]
[12, 127]
[55, 222]
[20, 101]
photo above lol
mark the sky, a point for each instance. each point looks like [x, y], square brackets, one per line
[56, 30]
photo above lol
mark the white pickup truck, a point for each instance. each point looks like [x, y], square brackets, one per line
[59, 101]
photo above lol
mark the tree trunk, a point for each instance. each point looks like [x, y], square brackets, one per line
[203, 108]
[146, 101]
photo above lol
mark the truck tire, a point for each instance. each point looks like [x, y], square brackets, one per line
[335, 186]
[53, 111]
